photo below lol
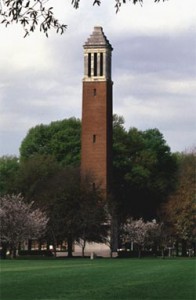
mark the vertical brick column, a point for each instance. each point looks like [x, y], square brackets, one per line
[96, 153]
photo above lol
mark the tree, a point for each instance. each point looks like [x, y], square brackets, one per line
[9, 166]
[54, 189]
[179, 211]
[140, 233]
[75, 210]
[93, 216]
[36, 178]
[65, 212]
[60, 139]
[31, 14]
[19, 221]
[144, 171]
[165, 239]
[143, 166]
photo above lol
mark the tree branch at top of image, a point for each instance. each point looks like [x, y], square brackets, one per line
[38, 14]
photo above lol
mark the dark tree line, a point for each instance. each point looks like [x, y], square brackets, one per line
[149, 182]
[47, 172]
[179, 211]
[144, 169]
[75, 211]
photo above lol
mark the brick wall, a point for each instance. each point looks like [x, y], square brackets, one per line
[96, 156]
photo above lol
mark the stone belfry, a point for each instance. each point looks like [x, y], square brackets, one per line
[96, 154]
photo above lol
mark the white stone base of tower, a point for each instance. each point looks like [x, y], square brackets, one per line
[94, 249]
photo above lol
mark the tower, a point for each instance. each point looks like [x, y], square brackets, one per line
[96, 154]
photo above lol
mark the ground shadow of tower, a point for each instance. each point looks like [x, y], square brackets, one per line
[96, 154]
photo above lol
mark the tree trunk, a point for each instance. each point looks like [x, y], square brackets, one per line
[184, 248]
[139, 252]
[194, 248]
[48, 245]
[83, 247]
[54, 242]
[114, 234]
[69, 245]
[40, 245]
[29, 245]
[163, 252]
[111, 252]
[4, 251]
[177, 248]
[12, 252]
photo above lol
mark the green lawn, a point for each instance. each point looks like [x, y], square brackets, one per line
[105, 279]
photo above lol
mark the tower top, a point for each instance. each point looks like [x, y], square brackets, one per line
[97, 39]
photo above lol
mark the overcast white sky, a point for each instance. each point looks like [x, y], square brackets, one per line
[154, 70]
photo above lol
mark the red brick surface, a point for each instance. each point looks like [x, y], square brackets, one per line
[96, 156]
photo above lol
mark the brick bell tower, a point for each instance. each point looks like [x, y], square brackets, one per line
[96, 154]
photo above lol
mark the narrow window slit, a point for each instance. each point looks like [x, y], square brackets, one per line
[101, 64]
[89, 64]
[95, 64]
[94, 138]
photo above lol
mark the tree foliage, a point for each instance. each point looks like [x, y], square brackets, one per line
[118, 3]
[143, 176]
[75, 210]
[179, 211]
[144, 170]
[143, 165]
[60, 139]
[33, 14]
[19, 221]
[30, 14]
[93, 215]
[140, 233]
[36, 176]
[9, 166]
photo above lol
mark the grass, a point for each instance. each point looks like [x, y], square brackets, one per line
[104, 279]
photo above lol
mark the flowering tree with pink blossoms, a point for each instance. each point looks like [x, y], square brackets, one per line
[19, 222]
[140, 233]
